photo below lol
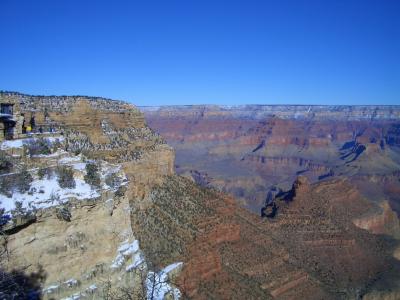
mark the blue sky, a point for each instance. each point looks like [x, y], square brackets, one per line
[193, 52]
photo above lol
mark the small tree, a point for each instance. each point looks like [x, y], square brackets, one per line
[45, 172]
[4, 218]
[120, 192]
[63, 213]
[66, 177]
[7, 185]
[23, 180]
[5, 163]
[19, 210]
[112, 180]
[92, 176]
[38, 146]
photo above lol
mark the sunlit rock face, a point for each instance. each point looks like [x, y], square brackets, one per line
[79, 237]
[247, 150]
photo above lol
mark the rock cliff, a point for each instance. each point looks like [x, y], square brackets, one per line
[90, 251]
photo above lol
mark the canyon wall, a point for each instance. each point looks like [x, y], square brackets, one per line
[249, 150]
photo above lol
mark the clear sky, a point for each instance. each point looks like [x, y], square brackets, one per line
[191, 52]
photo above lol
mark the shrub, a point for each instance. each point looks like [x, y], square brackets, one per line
[7, 185]
[121, 191]
[65, 177]
[56, 145]
[54, 197]
[23, 180]
[19, 181]
[19, 209]
[92, 176]
[4, 218]
[38, 146]
[63, 213]
[112, 180]
[45, 172]
[5, 163]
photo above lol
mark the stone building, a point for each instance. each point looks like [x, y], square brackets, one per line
[11, 119]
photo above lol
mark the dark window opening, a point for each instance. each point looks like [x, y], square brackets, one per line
[8, 131]
[6, 109]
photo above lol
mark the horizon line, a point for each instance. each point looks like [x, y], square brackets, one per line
[203, 104]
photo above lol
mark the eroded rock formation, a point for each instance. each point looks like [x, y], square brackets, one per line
[246, 150]
[310, 250]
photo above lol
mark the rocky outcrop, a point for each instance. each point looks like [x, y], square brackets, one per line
[93, 252]
[384, 222]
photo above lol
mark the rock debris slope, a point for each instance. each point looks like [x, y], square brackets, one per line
[311, 249]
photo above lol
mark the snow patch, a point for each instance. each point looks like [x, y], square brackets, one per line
[51, 289]
[11, 144]
[76, 296]
[71, 282]
[21, 142]
[93, 287]
[45, 198]
[172, 267]
[70, 159]
[158, 286]
[124, 251]
[137, 261]
[79, 166]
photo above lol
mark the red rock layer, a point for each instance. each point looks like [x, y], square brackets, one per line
[310, 250]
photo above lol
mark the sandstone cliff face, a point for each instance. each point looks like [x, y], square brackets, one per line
[76, 256]
[81, 257]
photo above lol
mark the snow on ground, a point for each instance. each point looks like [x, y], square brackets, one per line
[157, 283]
[137, 261]
[71, 282]
[46, 189]
[172, 267]
[51, 289]
[53, 139]
[70, 159]
[11, 144]
[19, 143]
[44, 192]
[129, 248]
[55, 154]
[76, 296]
[79, 166]
[92, 288]
[125, 250]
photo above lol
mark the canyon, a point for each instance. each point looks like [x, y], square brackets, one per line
[207, 202]
[251, 150]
